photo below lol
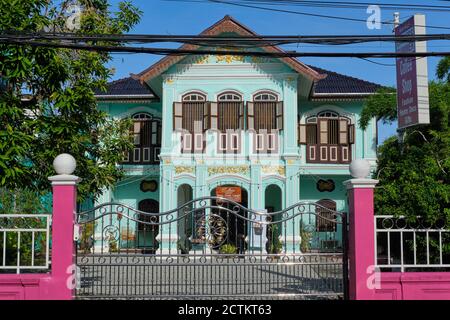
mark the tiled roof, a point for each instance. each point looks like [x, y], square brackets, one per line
[126, 87]
[336, 83]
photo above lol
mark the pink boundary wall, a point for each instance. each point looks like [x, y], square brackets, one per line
[414, 286]
[53, 285]
[361, 252]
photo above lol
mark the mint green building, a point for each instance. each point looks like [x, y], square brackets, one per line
[274, 129]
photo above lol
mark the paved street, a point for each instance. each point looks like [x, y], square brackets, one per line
[208, 277]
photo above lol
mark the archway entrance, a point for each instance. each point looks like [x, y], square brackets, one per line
[146, 234]
[236, 227]
[273, 203]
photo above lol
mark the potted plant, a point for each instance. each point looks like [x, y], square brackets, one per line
[229, 250]
[305, 239]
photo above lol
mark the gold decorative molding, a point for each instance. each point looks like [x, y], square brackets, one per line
[280, 170]
[169, 80]
[229, 58]
[243, 170]
[184, 169]
[201, 60]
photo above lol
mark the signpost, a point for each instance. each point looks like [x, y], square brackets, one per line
[412, 76]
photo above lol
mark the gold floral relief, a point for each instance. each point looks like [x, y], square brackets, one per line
[184, 169]
[242, 170]
[229, 58]
[279, 170]
[201, 60]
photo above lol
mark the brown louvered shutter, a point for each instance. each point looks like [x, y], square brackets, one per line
[351, 134]
[214, 114]
[343, 132]
[241, 116]
[302, 133]
[177, 116]
[206, 116]
[279, 115]
[323, 131]
[250, 116]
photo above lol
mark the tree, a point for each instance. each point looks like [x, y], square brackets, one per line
[47, 103]
[443, 69]
[414, 174]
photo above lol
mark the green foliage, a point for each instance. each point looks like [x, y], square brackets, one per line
[275, 246]
[305, 236]
[415, 174]
[443, 69]
[47, 105]
[382, 106]
[23, 201]
[228, 249]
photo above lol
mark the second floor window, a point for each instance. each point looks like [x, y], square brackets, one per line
[328, 138]
[146, 131]
[265, 112]
[191, 116]
[265, 118]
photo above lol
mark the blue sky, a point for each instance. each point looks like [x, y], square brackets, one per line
[170, 18]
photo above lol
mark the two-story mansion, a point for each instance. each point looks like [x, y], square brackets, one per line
[278, 130]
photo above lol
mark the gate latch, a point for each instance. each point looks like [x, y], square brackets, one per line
[76, 232]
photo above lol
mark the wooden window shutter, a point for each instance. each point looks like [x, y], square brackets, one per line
[323, 131]
[302, 133]
[279, 115]
[213, 116]
[351, 134]
[206, 116]
[343, 132]
[241, 116]
[250, 116]
[177, 116]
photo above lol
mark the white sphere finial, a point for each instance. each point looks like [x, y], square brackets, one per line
[360, 168]
[64, 164]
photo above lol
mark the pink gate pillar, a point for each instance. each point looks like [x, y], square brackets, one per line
[361, 246]
[64, 209]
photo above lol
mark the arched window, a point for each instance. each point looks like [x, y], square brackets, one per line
[194, 97]
[328, 137]
[265, 97]
[325, 216]
[191, 116]
[230, 111]
[146, 133]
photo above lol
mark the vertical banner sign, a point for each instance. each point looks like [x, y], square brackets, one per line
[412, 76]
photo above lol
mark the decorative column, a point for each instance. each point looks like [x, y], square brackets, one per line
[168, 231]
[361, 246]
[290, 236]
[64, 186]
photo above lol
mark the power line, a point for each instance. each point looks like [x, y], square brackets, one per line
[183, 52]
[336, 4]
[304, 13]
[263, 40]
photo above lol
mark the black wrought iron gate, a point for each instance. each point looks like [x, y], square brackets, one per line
[212, 248]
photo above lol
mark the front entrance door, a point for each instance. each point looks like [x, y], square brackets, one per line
[146, 234]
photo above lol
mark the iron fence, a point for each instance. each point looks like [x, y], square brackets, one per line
[411, 245]
[212, 248]
[24, 242]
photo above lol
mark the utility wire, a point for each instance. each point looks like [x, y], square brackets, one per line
[308, 14]
[183, 52]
